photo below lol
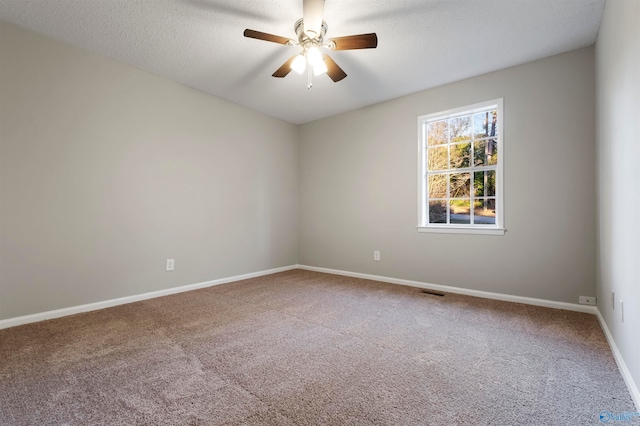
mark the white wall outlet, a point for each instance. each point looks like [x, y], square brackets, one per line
[587, 300]
[613, 300]
[376, 255]
[170, 264]
[621, 311]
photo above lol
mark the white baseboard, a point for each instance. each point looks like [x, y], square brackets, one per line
[622, 366]
[12, 322]
[458, 290]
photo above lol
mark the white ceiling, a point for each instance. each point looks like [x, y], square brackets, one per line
[421, 43]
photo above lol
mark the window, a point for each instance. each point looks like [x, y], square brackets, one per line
[460, 166]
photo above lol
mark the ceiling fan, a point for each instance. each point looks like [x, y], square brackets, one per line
[311, 30]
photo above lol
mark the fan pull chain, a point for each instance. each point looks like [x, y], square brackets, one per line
[309, 76]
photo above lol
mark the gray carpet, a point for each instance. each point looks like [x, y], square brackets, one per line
[304, 348]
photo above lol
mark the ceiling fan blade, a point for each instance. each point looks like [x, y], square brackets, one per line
[284, 69]
[266, 36]
[334, 72]
[312, 15]
[360, 41]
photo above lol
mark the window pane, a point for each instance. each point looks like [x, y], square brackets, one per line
[459, 185]
[479, 156]
[480, 153]
[460, 211]
[492, 152]
[437, 212]
[490, 189]
[460, 128]
[438, 186]
[484, 212]
[484, 183]
[480, 128]
[437, 132]
[437, 158]
[478, 184]
[485, 152]
[460, 155]
[485, 124]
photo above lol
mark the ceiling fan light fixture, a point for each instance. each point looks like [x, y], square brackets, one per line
[319, 68]
[314, 56]
[299, 64]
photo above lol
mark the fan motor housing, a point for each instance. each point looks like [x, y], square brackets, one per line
[304, 38]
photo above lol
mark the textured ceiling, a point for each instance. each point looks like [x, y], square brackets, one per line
[421, 43]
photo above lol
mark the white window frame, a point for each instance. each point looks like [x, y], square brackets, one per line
[423, 211]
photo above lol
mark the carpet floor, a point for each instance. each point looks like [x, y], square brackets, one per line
[305, 348]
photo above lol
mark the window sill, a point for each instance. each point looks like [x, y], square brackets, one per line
[462, 230]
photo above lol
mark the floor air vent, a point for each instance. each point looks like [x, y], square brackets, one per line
[433, 293]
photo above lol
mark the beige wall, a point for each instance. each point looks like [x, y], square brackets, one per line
[618, 111]
[358, 187]
[106, 171]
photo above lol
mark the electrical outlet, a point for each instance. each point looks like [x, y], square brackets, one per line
[621, 311]
[170, 264]
[586, 300]
[613, 300]
[376, 255]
